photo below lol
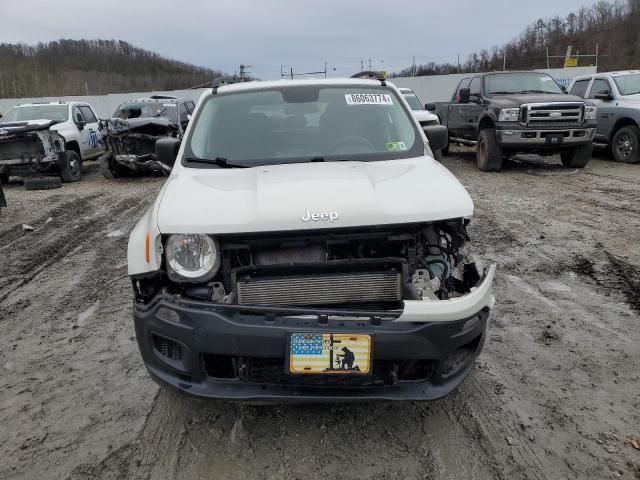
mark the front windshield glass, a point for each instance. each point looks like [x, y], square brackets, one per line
[412, 100]
[37, 112]
[525, 82]
[148, 109]
[304, 123]
[628, 84]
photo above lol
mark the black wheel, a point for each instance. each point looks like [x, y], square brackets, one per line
[4, 178]
[625, 146]
[488, 152]
[42, 183]
[109, 168]
[578, 157]
[70, 166]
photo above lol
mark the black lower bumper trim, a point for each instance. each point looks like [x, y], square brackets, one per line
[412, 361]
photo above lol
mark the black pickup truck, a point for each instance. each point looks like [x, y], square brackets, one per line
[504, 113]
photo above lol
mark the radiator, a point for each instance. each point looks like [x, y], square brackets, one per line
[326, 289]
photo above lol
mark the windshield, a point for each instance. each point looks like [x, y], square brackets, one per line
[304, 123]
[37, 112]
[413, 100]
[628, 84]
[525, 82]
[148, 109]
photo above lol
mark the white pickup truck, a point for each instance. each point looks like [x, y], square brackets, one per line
[307, 247]
[44, 139]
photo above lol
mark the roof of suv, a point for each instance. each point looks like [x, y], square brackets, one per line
[52, 103]
[260, 85]
[156, 98]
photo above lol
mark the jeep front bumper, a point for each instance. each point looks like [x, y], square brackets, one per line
[237, 352]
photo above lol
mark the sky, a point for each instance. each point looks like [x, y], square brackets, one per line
[299, 34]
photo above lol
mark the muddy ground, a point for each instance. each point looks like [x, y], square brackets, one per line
[554, 395]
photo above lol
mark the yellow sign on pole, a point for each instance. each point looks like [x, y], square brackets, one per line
[570, 62]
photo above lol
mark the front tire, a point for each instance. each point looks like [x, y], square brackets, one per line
[70, 166]
[488, 152]
[578, 157]
[625, 146]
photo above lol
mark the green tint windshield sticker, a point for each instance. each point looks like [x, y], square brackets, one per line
[368, 99]
[396, 146]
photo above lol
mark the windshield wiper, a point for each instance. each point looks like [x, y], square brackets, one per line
[501, 93]
[219, 161]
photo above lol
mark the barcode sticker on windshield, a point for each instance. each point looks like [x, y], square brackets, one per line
[368, 99]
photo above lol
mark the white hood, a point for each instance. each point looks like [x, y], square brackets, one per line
[276, 197]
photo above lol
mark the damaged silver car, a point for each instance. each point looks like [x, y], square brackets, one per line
[132, 132]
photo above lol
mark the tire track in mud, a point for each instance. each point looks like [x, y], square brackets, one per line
[45, 248]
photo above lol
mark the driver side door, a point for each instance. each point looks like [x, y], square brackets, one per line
[606, 109]
[83, 132]
[455, 119]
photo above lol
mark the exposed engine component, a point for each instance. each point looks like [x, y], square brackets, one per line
[353, 269]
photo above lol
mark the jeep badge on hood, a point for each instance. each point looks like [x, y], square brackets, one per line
[324, 216]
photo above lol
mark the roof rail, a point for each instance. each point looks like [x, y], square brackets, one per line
[372, 75]
[163, 97]
[220, 81]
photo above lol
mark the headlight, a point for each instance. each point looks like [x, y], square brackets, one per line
[509, 115]
[590, 113]
[192, 258]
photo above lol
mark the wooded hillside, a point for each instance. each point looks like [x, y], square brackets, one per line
[78, 67]
[613, 25]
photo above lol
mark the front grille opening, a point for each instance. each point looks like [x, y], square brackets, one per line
[460, 358]
[414, 370]
[272, 371]
[220, 366]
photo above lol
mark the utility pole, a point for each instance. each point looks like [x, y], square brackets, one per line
[369, 64]
[325, 69]
[413, 67]
[548, 67]
[504, 62]
[458, 62]
[242, 67]
[596, 58]
[362, 65]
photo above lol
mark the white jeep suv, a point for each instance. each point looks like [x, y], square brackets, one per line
[307, 247]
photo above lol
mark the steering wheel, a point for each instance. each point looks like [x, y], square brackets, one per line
[349, 142]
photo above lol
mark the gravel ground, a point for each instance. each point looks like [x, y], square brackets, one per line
[554, 395]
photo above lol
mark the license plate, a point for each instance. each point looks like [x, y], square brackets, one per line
[555, 139]
[330, 353]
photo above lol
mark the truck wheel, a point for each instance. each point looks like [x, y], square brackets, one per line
[108, 167]
[4, 178]
[42, 183]
[70, 166]
[578, 157]
[625, 146]
[488, 152]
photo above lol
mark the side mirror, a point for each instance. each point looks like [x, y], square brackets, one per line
[464, 94]
[430, 106]
[167, 150]
[603, 95]
[438, 136]
[80, 121]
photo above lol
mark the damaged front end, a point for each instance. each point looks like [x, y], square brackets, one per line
[131, 145]
[412, 289]
[28, 150]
